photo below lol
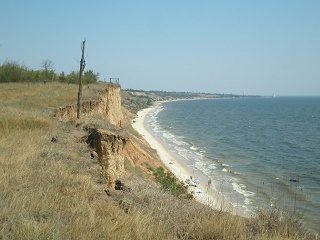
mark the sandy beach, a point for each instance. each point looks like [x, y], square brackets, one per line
[203, 193]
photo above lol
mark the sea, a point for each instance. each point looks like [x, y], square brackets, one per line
[261, 153]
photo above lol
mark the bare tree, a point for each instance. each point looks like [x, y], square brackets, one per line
[82, 66]
[47, 66]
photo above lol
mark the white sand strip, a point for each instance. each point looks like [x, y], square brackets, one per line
[208, 195]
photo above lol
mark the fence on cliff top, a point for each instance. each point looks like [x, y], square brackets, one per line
[114, 80]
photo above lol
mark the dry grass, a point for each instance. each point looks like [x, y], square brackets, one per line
[53, 190]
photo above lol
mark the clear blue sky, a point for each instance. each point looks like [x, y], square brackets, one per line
[251, 47]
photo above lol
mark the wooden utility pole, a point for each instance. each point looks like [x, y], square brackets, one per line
[82, 66]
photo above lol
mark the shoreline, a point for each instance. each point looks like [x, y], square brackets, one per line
[203, 193]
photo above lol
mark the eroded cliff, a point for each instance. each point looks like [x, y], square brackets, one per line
[111, 143]
[106, 144]
[109, 105]
[109, 147]
[114, 143]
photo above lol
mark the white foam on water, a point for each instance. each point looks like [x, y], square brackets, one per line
[241, 188]
[212, 166]
[199, 164]
[179, 142]
[194, 148]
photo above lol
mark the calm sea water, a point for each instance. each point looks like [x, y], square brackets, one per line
[251, 148]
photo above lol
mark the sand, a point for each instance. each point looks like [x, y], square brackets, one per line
[204, 193]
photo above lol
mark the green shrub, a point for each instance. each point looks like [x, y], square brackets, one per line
[12, 71]
[170, 183]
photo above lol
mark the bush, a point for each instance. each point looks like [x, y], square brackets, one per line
[169, 183]
[11, 71]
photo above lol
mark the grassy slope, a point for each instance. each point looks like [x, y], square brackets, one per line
[54, 190]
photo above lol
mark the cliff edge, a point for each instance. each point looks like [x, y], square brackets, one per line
[109, 105]
[114, 142]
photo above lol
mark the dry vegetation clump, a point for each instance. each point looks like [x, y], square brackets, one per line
[53, 189]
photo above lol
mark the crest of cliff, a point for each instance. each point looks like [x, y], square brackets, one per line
[115, 142]
[108, 105]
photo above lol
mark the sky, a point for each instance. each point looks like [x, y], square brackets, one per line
[269, 47]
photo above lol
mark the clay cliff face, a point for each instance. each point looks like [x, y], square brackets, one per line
[109, 105]
[107, 144]
[109, 148]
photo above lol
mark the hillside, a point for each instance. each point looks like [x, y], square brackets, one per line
[58, 175]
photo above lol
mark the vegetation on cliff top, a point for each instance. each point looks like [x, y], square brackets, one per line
[53, 189]
[12, 71]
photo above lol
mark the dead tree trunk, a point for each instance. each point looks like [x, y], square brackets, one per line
[82, 66]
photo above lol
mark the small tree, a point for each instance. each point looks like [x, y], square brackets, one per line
[47, 66]
[62, 77]
[90, 77]
[72, 77]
